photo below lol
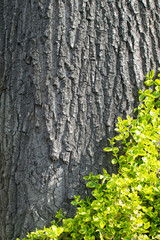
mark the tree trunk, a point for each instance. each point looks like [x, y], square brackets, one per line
[68, 69]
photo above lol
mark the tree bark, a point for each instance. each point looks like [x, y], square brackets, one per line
[68, 69]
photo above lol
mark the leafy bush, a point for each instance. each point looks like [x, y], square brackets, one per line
[127, 205]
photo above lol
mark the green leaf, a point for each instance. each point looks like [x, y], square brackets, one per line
[126, 135]
[135, 110]
[74, 203]
[104, 171]
[91, 184]
[129, 119]
[156, 94]
[112, 142]
[140, 91]
[59, 214]
[141, 97]
[147, 76]
[83, 230]
[147, 91]
[148, 83]
[107, 149]
[119, 137]
[115, 150]
[147, 225]
[133, 129]
[151, 74]
[102, 224]
[86, 178]
[157, 82]
[114, 161]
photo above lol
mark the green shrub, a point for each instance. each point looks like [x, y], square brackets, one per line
[127, 205]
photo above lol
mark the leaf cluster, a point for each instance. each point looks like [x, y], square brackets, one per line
[127, 205]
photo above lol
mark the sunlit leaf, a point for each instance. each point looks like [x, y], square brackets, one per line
[149, 83]
[107, 149]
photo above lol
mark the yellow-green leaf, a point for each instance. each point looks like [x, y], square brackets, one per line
[107, 149]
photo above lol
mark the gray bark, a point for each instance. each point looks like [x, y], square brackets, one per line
[68, 69]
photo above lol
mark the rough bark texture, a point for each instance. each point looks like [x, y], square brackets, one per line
[68, 69]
